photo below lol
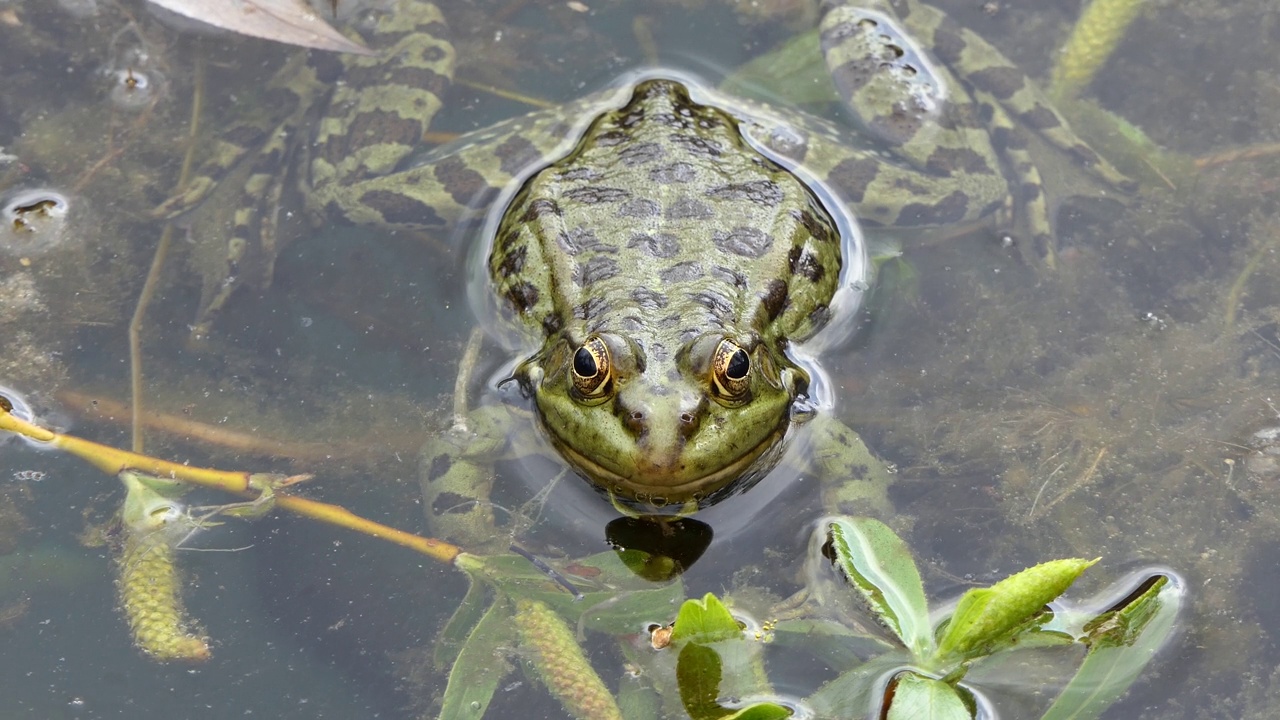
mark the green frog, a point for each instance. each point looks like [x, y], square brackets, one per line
[666, 249]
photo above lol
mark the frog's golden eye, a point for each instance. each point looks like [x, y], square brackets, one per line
[730, 371]
[592, 370]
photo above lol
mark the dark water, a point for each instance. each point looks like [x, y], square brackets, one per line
[1109, 409]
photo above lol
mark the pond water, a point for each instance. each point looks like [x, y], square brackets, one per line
[1120, 406]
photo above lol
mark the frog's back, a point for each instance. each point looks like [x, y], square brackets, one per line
[663, 223]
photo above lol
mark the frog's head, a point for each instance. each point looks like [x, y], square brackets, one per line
[664, 427]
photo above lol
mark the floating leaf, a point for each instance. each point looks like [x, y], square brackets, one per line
[292, 22]
[991, 615]
[480, 666]
[916, 697]
[699, 672]
[879, 565]
[705, 621]
[1122, 642]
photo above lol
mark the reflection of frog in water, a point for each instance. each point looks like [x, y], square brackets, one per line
[664, 262]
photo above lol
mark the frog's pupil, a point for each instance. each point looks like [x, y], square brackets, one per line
[584, 363]
[739, 363]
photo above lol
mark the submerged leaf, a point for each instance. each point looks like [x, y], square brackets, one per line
[991, 615]
[916, 697]
[879, 565]
[479, 667]
[698, 673]
[292, 22]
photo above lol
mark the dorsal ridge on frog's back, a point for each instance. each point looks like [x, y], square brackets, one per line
[664, 224]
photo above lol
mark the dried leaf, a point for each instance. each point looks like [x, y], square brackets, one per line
[288, 21]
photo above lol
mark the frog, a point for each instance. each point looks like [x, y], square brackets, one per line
[665, 250]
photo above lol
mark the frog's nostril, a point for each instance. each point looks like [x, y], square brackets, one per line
[689, 423]
[635, 422]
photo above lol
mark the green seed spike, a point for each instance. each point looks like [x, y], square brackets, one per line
[150, 591]
[1096, 35]
[560, 664]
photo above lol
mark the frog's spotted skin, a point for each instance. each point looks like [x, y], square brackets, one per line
[660, 263]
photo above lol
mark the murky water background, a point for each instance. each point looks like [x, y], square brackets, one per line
[1112, 408]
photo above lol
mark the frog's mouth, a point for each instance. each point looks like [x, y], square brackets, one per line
[668, 486]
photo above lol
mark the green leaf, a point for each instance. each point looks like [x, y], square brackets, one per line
[460, 625]
[879, 565]
[698, 674]
[761, 711]
[705, 621]
[986, 616]
[916, 697]
[612, 599]
[480, 666]
[1121, 643]
[856, 693]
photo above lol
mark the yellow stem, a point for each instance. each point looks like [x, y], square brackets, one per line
[112, 461]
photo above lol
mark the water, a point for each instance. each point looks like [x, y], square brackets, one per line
[1108, 409]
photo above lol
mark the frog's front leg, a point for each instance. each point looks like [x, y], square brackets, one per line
[854, 481]
[457, 479]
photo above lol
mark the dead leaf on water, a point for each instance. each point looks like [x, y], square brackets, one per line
[288, 21]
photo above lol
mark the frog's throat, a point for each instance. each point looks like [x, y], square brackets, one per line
[637, 488]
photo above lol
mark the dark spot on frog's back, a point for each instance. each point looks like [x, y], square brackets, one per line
[852, 177]
[640, 153]
[592, 308]
[450, 502]
[647, 299]
[1002, 82]
[662, 245]
[760, 192]
[539, 209]
[523, 295]
[951, 162]
[594, 270]
[1040, 118]
[513, 261]
[817, 229]
[593, 195]
[806, 264]
[949, 209]
[639, 208]
[774, 298]
[744, 241]
[948, 45]
[466, 186]
[681, 272]
[552, 324]
[696, 145]
[515, 154]
[673, 173]
[398, 209]
[440, 465]
[689, 209]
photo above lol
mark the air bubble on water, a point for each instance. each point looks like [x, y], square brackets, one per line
[131, 89]
[33, 410]
[33, 221]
